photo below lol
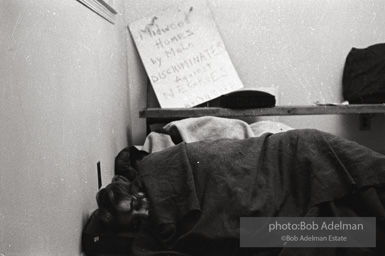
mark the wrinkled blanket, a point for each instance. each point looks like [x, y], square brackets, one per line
[207, 128]
[198, 191]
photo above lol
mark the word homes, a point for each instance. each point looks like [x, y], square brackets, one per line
[184, 55]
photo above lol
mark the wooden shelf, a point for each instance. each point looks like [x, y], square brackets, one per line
[178, 113]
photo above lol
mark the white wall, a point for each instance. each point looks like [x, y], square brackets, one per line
[63, 108]
[297, 46]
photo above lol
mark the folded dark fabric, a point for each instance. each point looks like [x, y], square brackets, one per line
[364, 75]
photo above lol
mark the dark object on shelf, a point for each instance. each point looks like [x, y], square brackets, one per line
[247, 99]
[97, 240]
[364, 75]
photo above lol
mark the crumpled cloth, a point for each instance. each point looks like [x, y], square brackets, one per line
[198, 191]
[207, 128]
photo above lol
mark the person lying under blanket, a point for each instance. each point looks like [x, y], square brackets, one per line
[122, 204]
[190, 197]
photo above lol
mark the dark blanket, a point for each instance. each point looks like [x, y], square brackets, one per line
[199, 191]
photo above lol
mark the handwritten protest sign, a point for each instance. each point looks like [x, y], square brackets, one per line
[184, 56]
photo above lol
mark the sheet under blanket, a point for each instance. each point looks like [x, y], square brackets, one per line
[198, 191]
[207, 128]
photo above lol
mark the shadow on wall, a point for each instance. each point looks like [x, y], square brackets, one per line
[372, 138]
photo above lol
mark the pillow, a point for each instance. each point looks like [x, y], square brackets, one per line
[262, 127]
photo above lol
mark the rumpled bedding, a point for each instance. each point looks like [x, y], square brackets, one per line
[207, 128]
[198, 191]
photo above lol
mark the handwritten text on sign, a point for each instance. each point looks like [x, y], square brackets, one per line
[184, 56]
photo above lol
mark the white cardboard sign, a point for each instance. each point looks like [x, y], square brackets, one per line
[184, 56]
